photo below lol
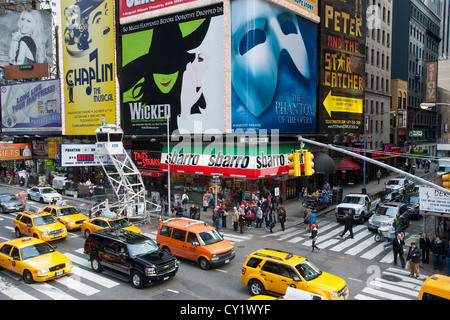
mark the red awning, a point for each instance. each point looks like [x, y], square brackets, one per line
[348, 164]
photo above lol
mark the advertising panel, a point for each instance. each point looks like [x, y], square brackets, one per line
[431, 199]
[89, 67]
[173, 68]
[128, 8]
[431, 82]
[273, 68]
[308, 5]
[15, 151]
[342, 71]
[31, 108]
[80, 155]
[250, 163]
[26, 37]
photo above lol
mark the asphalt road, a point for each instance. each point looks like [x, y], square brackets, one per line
[367, 269]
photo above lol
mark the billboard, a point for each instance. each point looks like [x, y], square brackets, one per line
[80, 155]
[172, 68]
[25, 38]
[431, 82]
[15, 151]
[342, 67]
[88, 65]
[31, 108]
[273, 68]
[129, 8]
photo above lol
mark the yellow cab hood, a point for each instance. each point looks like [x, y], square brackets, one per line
[51, 227]
[47, 261]
[133, 229]
[328, 282]
[73, 217]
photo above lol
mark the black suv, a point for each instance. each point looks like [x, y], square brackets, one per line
[128, 253]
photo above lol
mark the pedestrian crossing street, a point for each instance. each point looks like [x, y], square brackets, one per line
[362, 245]
[393, 284]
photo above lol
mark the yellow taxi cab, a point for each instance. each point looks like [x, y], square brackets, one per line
[435, 287]
[270, 270]
[99, 223]
[194, 240]
[34, 259]
[36, 223]
[68, 215]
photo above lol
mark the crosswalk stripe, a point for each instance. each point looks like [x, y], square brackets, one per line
[14, 292]
[346, 243]
[383, 284]
[51, 291]
[361, 245]
[71, 282]
[363, 297]
[383, 294]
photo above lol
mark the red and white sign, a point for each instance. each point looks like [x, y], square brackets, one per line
[235, 166]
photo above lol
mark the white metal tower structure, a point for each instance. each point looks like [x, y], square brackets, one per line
[122, 173]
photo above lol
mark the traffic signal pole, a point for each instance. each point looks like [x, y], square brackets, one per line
[378, 163]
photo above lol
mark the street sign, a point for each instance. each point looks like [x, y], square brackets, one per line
[431, 199]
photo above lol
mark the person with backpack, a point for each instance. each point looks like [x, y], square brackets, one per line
[282, 217]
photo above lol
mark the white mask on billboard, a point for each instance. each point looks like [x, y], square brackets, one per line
[260, 33]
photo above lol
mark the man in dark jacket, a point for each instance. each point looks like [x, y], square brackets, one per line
[414, 258]
[397, 247]
[348, 224]
[437, 249]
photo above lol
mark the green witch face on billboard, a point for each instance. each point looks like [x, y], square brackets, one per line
[164, 76]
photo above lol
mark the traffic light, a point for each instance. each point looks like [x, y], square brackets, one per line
[446, 180]
[294, 164]
[308, 163]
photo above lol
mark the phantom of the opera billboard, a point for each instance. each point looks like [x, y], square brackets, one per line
[273, 71]
[172, 68]
[88, 69]
[342, 67]
[31, 108]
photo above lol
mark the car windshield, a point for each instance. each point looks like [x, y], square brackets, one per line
[36, 250]
[119, 223]
[142, 247]
[67, 211]
[393, 182]
[354, 200]
[48, 190]
[411, 200]
[308, 270]
[43, 220]
[210, 237]
[388, 211]
[8, 197]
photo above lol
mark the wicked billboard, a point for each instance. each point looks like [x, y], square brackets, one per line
[172, 67]
[342, 67]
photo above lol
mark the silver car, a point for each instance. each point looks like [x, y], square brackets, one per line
[44, 194]
[10, 203]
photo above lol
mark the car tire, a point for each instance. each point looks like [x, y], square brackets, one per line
[96, 265]
[256, 287]
[166, 249]
[17, 232]
[362, 218]
[203, 263]
[41, 200]
[137, 279]
[28, 277]
[29, 197]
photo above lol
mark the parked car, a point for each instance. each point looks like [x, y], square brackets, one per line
[400, 184]
[388, 195]
[411, 200]
[386, 214]
[362, 204]
[10, 203]
[130, 255]
[43, 194]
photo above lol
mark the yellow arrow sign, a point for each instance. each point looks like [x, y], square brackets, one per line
[342, 104]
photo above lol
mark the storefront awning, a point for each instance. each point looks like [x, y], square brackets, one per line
[347, 164]
[323, 163]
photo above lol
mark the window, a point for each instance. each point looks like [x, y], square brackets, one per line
[288, 272]
[271, 267]
[166, 231]
[178, 234]
[192, 237]
[253, 262]
[6, 249]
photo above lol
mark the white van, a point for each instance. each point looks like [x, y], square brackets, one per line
[443, 166]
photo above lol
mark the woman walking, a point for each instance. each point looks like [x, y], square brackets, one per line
[314, 237]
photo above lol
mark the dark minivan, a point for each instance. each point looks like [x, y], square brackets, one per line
[131, 254]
